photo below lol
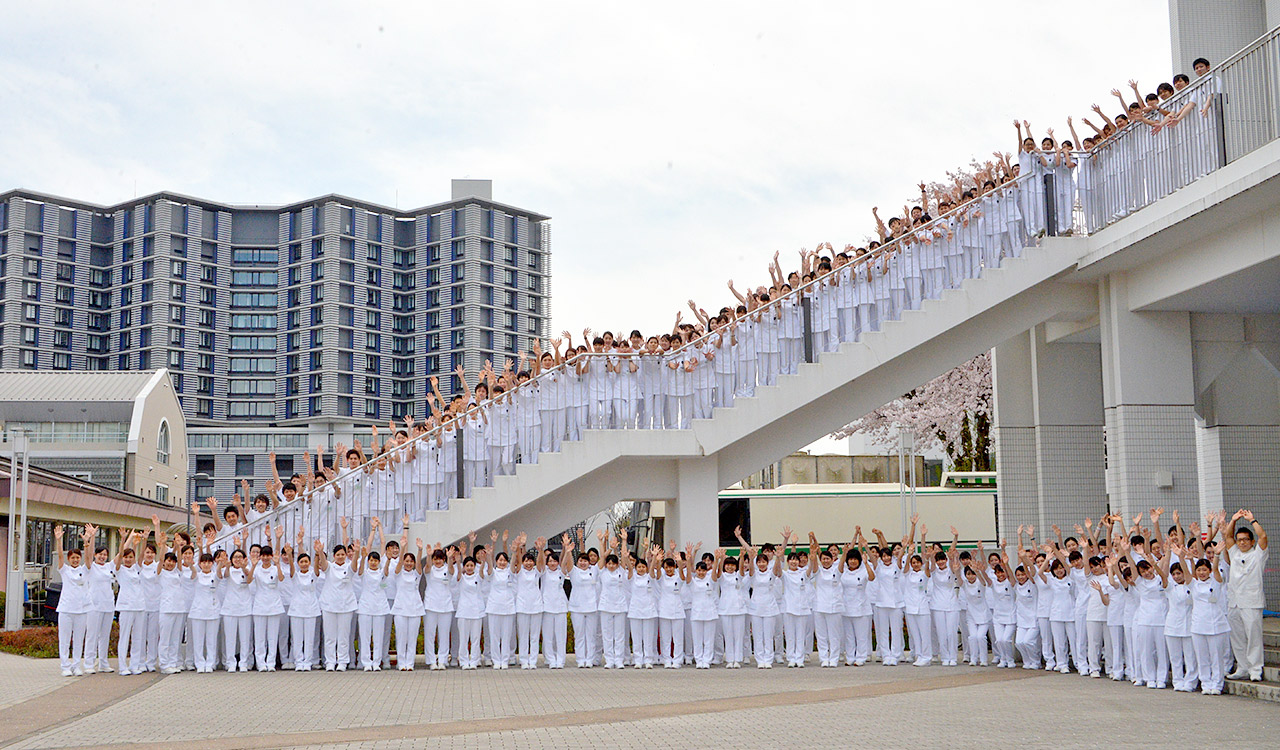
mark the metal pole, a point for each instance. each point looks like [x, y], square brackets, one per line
[808, 328]
[902, 481]
[1220, 122]
[17, 535]
[1050, 207]
[457, 464]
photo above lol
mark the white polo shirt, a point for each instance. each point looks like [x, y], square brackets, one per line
[1245, 590]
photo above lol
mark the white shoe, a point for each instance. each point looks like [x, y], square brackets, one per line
[66, 673]
[89, 670]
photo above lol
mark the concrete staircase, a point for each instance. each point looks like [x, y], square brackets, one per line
[1269, 688]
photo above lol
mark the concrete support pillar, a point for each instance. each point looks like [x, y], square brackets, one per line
[1070, 442]
[1013, 432]
[1238, 436]
[695, 514]
[1149, 400]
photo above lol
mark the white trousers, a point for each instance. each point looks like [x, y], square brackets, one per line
[584, 641]
[735, 631]
[555, 636]
[204, 643]
[704, 642]
[502, 628]
[763, 630]
[96, 639]
[171, 624]
[1182, 661]
[1117, 654]
[237, 639]
[1095, 640]
[371, 640]
[1003, 635]
[131, 641]
[528, 627]
[151, 639]
[469, 643]
[613, 629]
[1153, 657]
[266, 639]
[407, 640]
[829, 629]
[305, 651]
[976, 646]
[1028, 642]
[72, 628]
[337, 638]
[946, 626]
[857, 639]
[794, 628]
[918, 632]
[1209, 650]
[889, 634]
[435, 638]
[1246, 639]
[671, 641]
[644, 640]
[1046, 642]
[1064, 635]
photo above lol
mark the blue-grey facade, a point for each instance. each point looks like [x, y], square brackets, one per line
[283, 326]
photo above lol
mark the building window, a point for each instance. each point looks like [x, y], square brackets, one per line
[244, 466]
[163, 443]
[162, 494]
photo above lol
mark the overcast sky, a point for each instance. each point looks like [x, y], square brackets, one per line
[675, 145]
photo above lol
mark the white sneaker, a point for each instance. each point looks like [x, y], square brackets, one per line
[66, 673]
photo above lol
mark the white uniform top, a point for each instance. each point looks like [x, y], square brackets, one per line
[373, 592]
[915, 592]
[613, 590]
[827, 596]
[305, 601]
[204, 601]
[528, 592]
[763, 601]
[501, 599]
[237, 599]
[975, 599]
[408, 602]
[339, 592]
[554, 600]
[853, 587]
[75, 590]
[670, 603]
[1094, 609]
[584, 597]
[266, 592]
[1207, 617]
[1150, 602]
[733, 594]
[1177, 618]
[943, 595]
[1026, 601]
[1062, 602]
[1000, 596]
[132, 598]
[888, 588]
[438, 598]
[1119, 603]
[173, 598]
[795, 595]
[704, 597]
[1246, 578]
[470, 598]
[147, 572]
[101, 596]
[644, 597]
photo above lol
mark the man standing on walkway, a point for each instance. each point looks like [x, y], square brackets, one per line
[1246, 551]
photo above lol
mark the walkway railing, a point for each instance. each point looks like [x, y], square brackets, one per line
[658, 390]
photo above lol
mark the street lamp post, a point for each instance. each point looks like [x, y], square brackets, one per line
[16, 565]
[199, 476]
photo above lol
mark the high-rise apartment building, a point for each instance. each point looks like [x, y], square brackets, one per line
[283, 327]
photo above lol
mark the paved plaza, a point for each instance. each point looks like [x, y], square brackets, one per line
[893, 707]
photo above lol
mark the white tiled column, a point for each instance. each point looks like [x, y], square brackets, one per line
[695, 515]
[1070, 461]
[1014, 435]
[1149, 396]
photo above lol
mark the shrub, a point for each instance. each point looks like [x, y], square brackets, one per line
[38, 642]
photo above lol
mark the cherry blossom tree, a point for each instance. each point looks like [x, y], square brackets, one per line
[952, 411]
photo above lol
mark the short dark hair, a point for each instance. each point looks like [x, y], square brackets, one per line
[1200, 60]
[1244, 530]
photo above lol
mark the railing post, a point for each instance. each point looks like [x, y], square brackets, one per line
[457, 463]
[807, 317]
[1220, 122]
[1050, 207]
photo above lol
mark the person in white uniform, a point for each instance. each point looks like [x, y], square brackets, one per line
[73, 604]
[1245, 549]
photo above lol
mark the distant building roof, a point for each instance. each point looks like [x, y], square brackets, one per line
[59, 396]
[60, 489]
